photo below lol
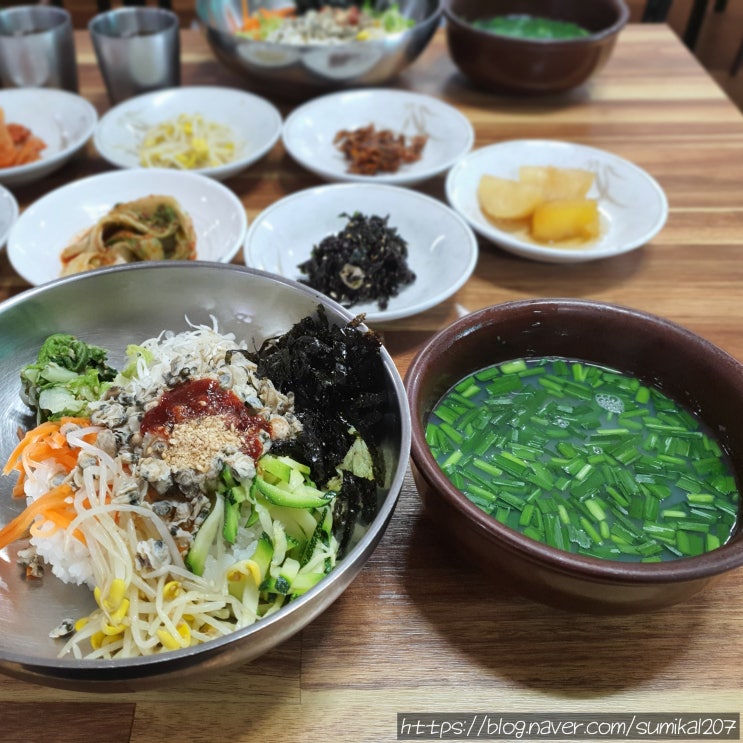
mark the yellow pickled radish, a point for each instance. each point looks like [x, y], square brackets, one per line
[558, 183]
[503, 198]
[566, 219]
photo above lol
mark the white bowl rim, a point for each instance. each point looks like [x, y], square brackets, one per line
[7, 195]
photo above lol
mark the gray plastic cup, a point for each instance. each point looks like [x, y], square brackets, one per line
[37, 48]
[138, 50]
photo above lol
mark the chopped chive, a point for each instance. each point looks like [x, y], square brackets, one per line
[513, 367]
[526, 514]
[585, 459]
[594, 506]
[452, 459]
[490, 469]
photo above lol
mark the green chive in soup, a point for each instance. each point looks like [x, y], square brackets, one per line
[530, 27]
[585, 459]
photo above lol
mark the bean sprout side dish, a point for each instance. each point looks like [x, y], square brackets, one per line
[202, 486]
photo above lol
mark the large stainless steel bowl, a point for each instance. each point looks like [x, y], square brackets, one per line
[290, 71]
[128, 304]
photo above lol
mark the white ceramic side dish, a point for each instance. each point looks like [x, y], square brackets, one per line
[63, 121]
[254, 124]
[632, 205]
[442, 249]
[48, 225]
[309, 132]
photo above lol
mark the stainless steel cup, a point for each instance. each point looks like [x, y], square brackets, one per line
[37, 48]
[138, 50]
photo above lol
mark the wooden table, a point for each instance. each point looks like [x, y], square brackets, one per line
[419, 630]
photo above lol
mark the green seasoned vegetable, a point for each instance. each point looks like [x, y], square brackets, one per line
[67, 374]
[205, 536]
[288, 487]
[297, 547]
[234, 495]
[530, 27]
[585, 459]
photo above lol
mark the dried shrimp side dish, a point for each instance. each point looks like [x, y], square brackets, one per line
[193, 491]
[369, 150]
[18, 145]
[153, 228]
[187, 142]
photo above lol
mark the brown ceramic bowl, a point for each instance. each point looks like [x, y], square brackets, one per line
[510, 65]
[686, 367]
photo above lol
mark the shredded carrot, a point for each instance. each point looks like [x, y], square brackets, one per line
[44, 442]
[53, 501]
[60, 520]
[253, 22]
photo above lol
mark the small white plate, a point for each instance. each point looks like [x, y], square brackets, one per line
[255, 123]
[442, 249]
[63, 120]
[8, 214]
[632, 206]
[309, 131]
[48, 225]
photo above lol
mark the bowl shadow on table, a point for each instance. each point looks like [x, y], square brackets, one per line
[293, 177]
[457, 86]
[515, 274]
[535, 645]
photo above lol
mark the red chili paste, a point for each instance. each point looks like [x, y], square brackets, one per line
[199, 399]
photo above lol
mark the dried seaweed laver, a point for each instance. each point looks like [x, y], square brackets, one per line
[151, 228]
[338, 379]
[365, 262]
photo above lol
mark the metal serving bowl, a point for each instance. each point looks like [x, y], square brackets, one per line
[127, 304]
[290, 71]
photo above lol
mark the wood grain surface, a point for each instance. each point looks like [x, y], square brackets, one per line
[421, 631]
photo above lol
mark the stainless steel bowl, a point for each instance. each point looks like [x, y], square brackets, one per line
[290, 71]
[112, 308]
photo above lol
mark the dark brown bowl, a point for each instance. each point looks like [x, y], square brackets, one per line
[508, 65]
[693, 371]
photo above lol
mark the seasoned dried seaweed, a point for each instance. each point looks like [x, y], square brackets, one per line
[356, 503]
[365, 262]
[338, 379]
